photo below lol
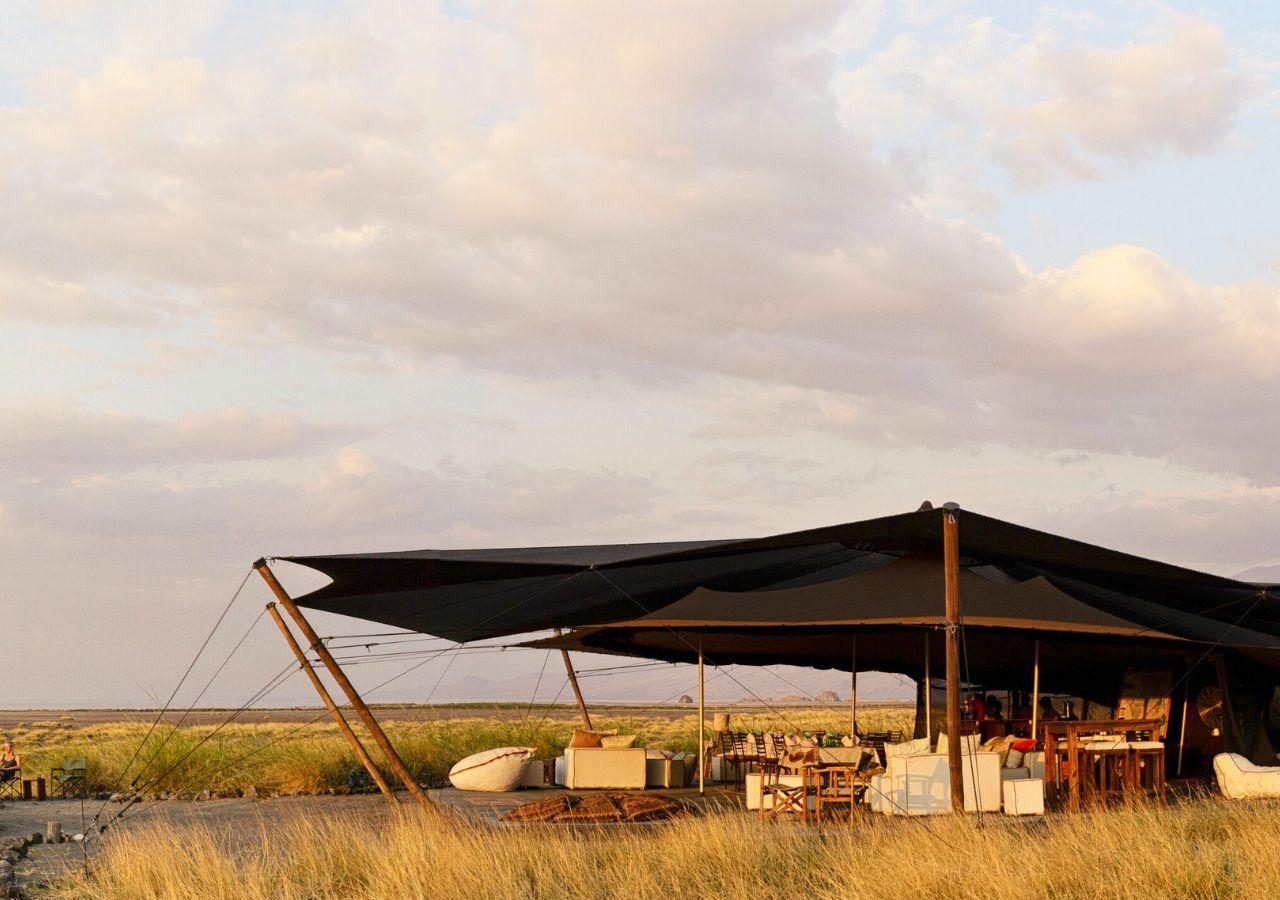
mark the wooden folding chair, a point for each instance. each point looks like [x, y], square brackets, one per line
[777, 799]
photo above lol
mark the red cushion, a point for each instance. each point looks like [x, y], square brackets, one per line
[1024, 745]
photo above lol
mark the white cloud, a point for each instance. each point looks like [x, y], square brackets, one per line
[54, 438]
[668, 197]
[1050, 103]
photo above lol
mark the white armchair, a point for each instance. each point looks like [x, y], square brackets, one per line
[1239, 779]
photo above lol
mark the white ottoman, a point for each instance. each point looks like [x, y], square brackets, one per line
[1024, 797]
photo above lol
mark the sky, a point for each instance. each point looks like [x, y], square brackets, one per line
[323, 277]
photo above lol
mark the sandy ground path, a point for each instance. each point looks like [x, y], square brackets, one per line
[246, 818]
[45, 862]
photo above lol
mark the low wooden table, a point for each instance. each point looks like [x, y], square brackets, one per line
[1064, 757]
[34, 789]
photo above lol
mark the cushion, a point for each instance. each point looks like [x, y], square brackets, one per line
[583, 739]
[591, 809]
[539, 810]
[1024, 745]
[653, 753]
[649, 808]
[1014, 759]
[618, 741]
[500, 769]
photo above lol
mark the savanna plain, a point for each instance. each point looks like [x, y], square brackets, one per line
[322, 846]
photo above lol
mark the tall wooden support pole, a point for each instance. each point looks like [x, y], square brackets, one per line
[702, 725]
[1035, 693]
[853, 690]
[951, 574]
[1186, 704]
[928, 692]
[573, 683]
[318, 647]
[341, 720]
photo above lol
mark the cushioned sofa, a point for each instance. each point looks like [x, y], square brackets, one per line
[616, 768]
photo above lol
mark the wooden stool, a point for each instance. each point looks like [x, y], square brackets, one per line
[34, 789]
[1146, 760]
[1107, 770]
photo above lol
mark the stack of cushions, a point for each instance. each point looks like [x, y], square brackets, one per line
[610, 740]
[969, 743]
[500, 769]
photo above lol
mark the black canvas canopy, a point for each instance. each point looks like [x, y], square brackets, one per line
[467, 595]
[1086, 614]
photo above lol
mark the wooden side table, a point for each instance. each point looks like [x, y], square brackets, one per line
[34, 789]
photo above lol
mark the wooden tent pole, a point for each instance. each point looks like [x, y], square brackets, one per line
[928, 692]
[338, 717]
[951, 575]
[1035, 692]
[853, 690]
[702, 724]
[1186, 702]
[573, 683]
[318, 647]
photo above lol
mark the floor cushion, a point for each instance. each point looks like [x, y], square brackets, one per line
[500, 769]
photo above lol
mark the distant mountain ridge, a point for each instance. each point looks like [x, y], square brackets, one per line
[665, 684]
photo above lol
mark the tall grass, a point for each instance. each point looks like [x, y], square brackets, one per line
[280, 758]
[1205, 848]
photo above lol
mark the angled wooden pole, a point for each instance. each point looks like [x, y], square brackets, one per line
[338, 717]
[318, 647]
[573, 683]
[951, 575]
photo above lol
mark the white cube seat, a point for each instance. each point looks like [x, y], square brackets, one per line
[1024, 797]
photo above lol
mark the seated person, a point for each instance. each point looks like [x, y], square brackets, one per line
[1047, 711]
[995, 709]
[10, 764]
[977, 708]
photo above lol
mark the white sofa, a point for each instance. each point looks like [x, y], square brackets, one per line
[919, 783]
[1239, 779]
[616, 768]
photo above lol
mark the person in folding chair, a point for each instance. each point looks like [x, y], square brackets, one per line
[10, 771]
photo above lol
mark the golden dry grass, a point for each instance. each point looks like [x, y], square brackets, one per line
[1205, 848]
[278, 758]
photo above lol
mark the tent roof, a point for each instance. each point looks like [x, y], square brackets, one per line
[903, 592]
[472, 594]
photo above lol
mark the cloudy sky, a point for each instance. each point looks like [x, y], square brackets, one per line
[317, 277]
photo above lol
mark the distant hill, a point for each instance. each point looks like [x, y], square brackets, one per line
[665, 684]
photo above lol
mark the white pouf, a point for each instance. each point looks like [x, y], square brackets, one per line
[1024, 797]
[501, 769]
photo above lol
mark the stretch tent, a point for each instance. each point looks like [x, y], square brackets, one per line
[799, 597]
[468, 595]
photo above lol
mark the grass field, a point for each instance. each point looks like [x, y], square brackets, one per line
[1201, 847]
[1204, 848]
[279, 757]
